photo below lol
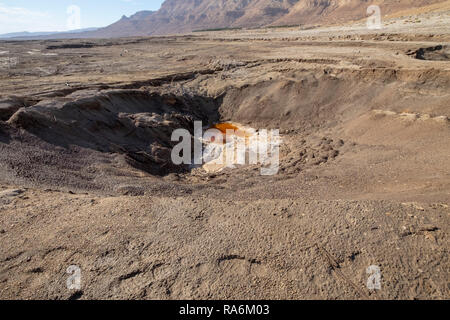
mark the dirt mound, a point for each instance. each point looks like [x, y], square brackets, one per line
[311, 100]
[90, 129]
[10, 106]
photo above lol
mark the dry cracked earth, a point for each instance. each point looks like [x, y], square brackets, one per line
[86, 177]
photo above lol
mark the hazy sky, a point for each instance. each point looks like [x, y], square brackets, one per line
[60, 15]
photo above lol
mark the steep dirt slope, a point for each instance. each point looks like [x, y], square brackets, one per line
[184, 16]
[336, 11]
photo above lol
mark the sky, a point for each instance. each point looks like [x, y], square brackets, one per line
[63, 15]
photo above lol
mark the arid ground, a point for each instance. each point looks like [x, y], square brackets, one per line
[86, 177]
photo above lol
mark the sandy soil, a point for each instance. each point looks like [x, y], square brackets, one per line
[86, 179]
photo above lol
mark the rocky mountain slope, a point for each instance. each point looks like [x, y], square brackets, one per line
[181, 16]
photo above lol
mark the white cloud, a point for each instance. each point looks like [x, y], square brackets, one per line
[20, 12]
[15, 19]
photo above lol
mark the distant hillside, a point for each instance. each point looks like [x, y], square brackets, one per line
[183, 16]
[135, 25]
[24, 34]
[35, 35]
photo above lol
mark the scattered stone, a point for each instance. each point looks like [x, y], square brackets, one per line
[413, 205]
[36, 270]
[133, 191]
[11, 193]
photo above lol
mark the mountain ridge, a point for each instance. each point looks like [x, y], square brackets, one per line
[185, 16]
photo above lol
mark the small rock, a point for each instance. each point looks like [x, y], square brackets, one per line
[429, 236]
[11, 193]
[414, 205]
[172, 177]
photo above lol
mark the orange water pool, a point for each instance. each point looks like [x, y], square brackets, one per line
[223, 127]
[239, 131]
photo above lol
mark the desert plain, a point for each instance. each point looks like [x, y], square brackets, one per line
[364, 177]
